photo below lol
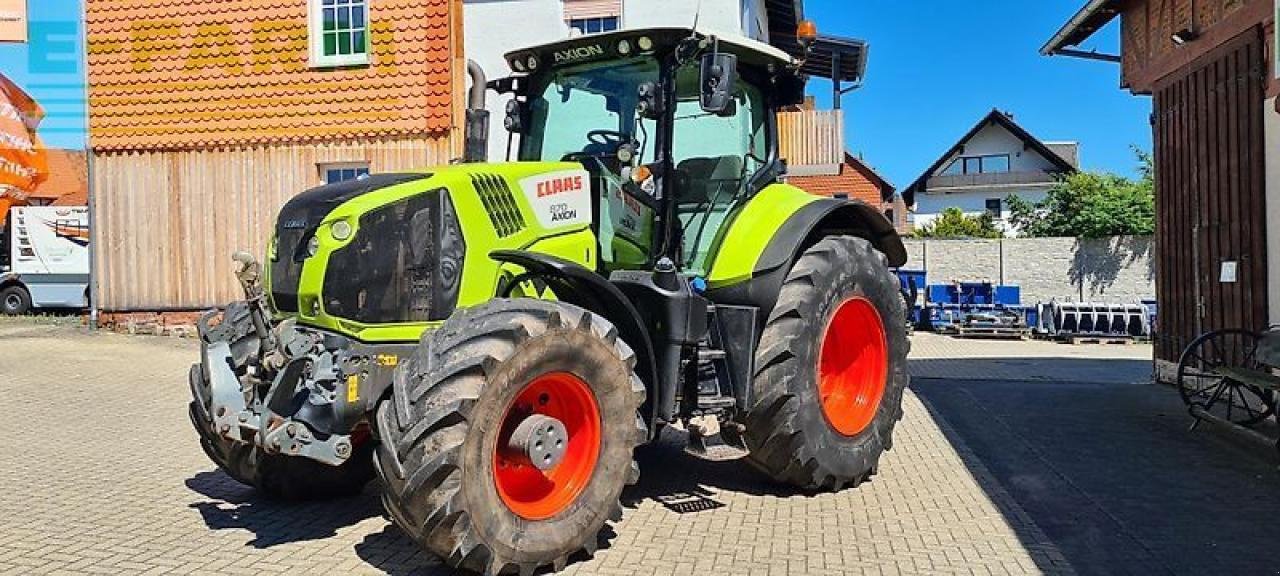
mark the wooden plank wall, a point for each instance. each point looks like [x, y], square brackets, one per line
[1210, 194]
[167, 222]
[592, 8]
[812, 137]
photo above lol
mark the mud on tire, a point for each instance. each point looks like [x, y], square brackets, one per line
[277, 476]
[440, 429]
[790, 438]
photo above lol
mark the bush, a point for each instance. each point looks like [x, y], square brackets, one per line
[1091, 205]
[953, 223]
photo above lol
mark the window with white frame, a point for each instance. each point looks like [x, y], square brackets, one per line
[343, 171]
[339, 33]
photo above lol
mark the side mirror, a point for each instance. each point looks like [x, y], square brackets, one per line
[719, 76]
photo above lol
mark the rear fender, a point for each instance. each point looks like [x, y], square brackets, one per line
[803, 228]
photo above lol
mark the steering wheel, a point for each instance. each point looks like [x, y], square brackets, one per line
[612, 138]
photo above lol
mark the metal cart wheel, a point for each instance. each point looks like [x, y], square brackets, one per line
[1202, 387]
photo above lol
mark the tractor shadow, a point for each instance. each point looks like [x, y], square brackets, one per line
[686, 484]
[234, 506]
[230, 505]
[394, 553]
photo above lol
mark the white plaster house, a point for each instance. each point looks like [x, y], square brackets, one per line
[993, 161]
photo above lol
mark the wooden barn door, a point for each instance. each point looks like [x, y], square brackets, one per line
[1211, 251]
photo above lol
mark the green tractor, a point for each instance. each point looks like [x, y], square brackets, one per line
[493, 341]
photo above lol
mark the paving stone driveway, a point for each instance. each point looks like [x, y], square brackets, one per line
[100, 473]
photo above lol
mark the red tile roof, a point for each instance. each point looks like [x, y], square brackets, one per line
[172, 74]
[856, 179]
[68, 181]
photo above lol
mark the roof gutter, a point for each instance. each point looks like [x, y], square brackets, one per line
[1058, 45]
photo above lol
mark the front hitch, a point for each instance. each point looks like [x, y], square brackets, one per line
[284, 389]
[302, 412]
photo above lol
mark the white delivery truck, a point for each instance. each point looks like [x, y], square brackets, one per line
[44, 259]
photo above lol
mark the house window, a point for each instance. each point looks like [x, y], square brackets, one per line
[594, 25]
[990, 164]
[995, 207]
[335, 173]
[339, 33]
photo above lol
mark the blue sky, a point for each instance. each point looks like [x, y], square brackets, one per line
[936, 67]
[51, 68]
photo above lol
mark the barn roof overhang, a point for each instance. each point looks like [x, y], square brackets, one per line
[1092, 17]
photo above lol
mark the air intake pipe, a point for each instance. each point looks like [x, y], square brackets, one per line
[476, 147]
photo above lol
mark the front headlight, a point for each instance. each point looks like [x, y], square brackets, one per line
[313, 246]
[341, 230]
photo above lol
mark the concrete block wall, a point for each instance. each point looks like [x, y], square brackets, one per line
[1042, 267]
[1120, 269]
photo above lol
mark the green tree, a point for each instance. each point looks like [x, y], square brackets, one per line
[1092, 205]
[953, 223]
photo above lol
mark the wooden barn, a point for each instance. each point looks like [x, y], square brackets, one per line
[1211, 67]
[205, 118]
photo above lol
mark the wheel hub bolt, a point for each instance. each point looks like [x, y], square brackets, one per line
[540, 439]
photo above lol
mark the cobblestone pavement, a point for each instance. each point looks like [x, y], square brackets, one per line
[102, 474]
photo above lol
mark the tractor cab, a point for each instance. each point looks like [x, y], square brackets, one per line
[676, 127]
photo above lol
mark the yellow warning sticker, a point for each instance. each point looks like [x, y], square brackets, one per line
[387, 360]
[353, 388]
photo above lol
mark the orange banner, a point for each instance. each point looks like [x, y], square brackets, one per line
[23, 161]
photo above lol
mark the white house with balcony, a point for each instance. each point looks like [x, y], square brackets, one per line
[993, 161]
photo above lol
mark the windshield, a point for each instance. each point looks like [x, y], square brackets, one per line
[585, 99]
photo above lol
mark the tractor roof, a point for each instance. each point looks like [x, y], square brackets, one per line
[597, 47]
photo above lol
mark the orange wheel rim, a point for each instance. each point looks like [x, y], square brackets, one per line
[535, 494]
[853, 366]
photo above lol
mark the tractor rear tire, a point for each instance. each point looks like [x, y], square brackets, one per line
[15, 301]
[279, 476]
[831, 369]
[448, 481]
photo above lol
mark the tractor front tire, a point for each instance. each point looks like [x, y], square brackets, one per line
[831, 368]
[279, 476]
[451, 478]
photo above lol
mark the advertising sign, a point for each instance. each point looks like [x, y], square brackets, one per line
[13, 21]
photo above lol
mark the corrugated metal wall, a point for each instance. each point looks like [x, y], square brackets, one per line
[166, 223]
[1210, 195]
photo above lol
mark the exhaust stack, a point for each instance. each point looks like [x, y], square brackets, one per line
[476, 147]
